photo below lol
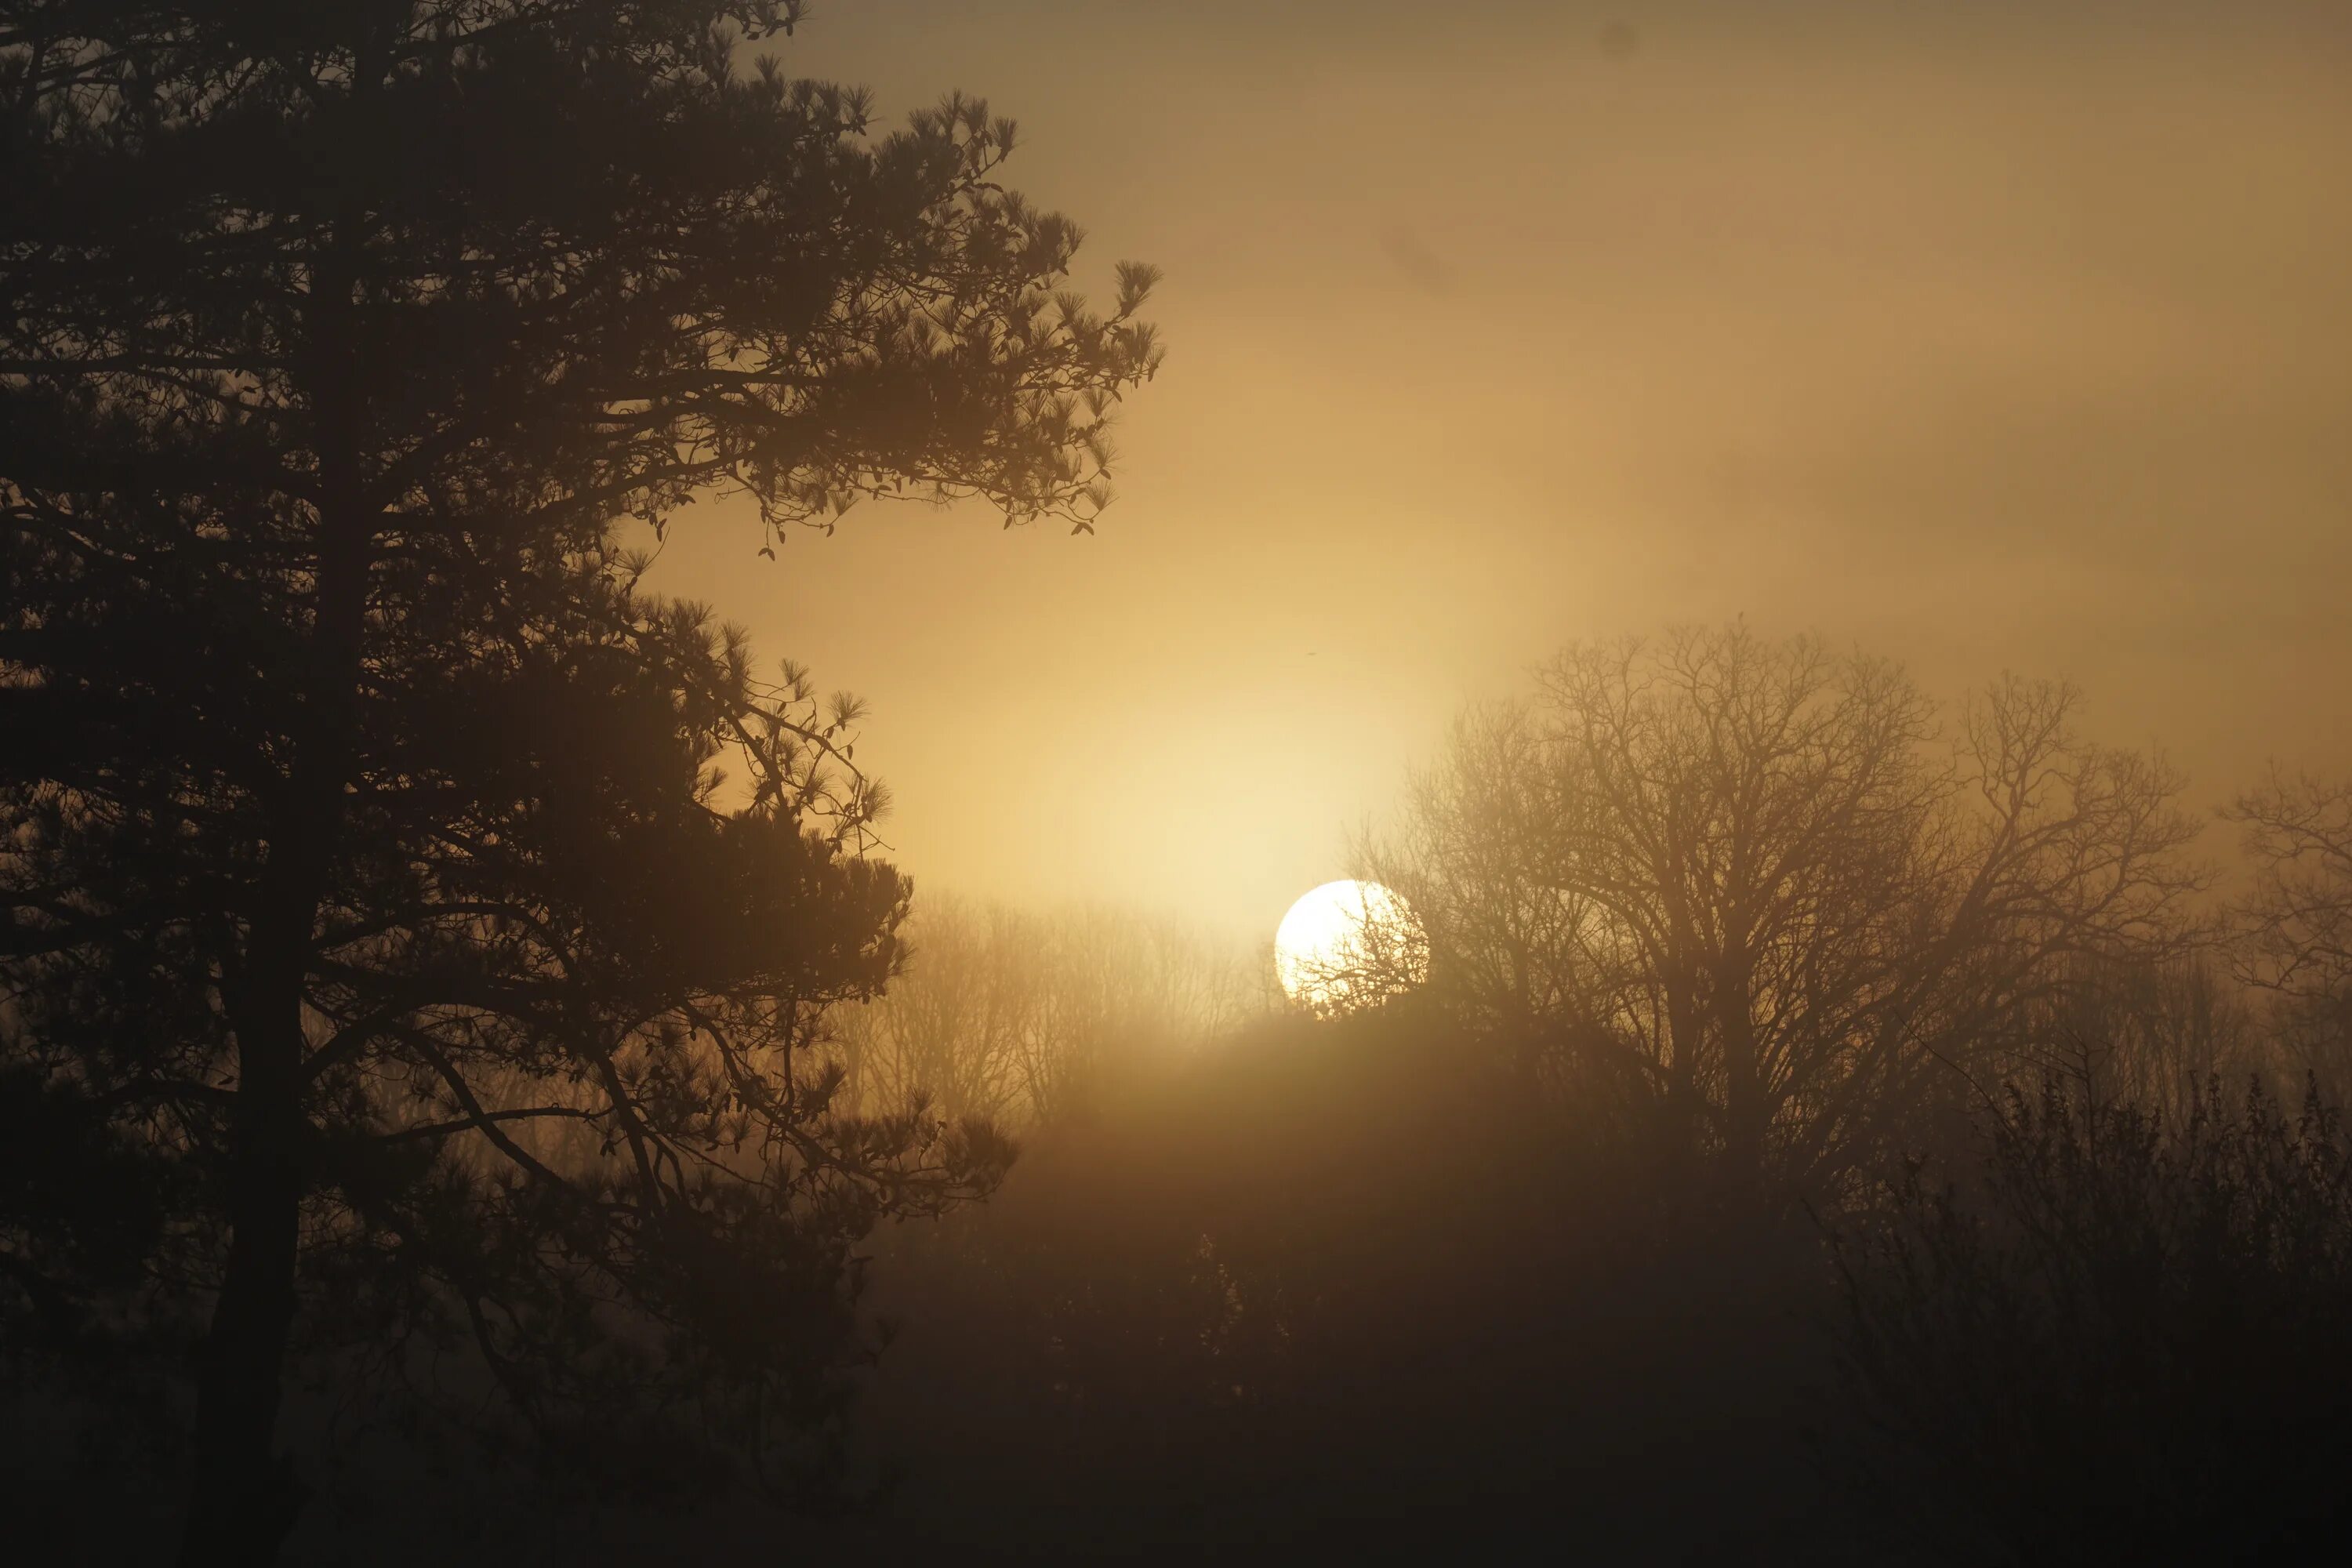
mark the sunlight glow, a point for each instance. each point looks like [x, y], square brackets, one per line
[1347, 945]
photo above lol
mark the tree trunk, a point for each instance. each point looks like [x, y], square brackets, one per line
[247, 1494]
[1744, 1114]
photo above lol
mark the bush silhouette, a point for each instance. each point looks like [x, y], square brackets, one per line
[2121, 1336]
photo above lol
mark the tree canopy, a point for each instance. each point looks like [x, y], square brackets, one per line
[1758, 897]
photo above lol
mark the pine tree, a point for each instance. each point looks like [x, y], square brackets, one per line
[413, 912]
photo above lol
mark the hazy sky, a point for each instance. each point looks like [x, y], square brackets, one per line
[1985, 336]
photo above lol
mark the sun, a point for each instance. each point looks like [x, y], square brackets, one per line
[1346, 944]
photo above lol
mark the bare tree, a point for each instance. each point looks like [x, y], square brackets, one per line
[1752, 891]
[2294, 929]
[2152, 1033]
[1021, 1016]
[947, 1035]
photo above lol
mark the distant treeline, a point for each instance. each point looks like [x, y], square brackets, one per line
[1028, 1019]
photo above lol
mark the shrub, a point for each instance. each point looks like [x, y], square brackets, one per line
[2122, 1337]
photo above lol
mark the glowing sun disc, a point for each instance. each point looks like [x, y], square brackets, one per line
[1346, 943]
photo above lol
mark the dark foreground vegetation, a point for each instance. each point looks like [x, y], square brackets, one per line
[469, 1092]
[1489, 1261]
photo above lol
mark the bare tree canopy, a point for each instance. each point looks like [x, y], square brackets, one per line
[1026, 1018]
[2294, 925]
[1759, 890]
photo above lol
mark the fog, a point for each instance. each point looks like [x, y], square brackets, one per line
[639, 923]
[1985, 337]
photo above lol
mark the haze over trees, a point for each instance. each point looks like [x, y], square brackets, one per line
[362, 811]
[1430, 1271]
[1766, 900]
[1030, 1019]
[2116, 1332]
[470, 1078]
[2295, 925]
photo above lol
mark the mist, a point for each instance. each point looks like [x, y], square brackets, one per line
[1985, 338]
[1070, 781]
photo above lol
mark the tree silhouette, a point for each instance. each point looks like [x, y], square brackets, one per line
[365, 819]
[2118, 1333]
[2294, 924]
[1027, 1018]
[1746, 892]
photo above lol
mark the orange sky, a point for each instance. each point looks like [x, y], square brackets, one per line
[1989, 336]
